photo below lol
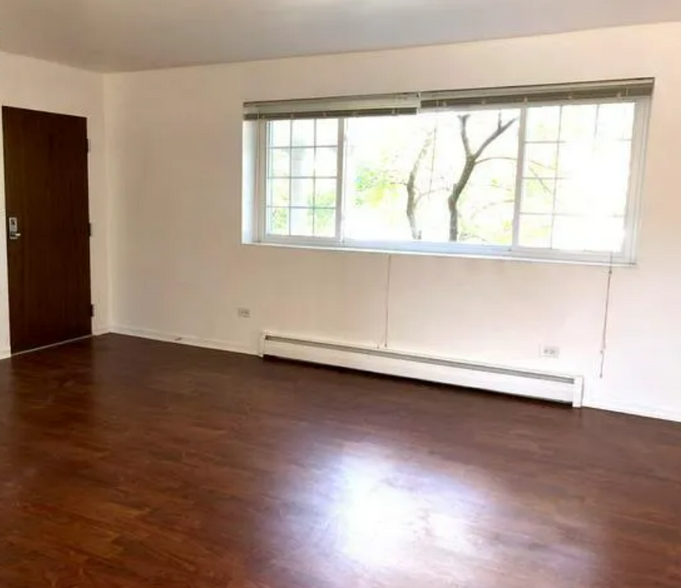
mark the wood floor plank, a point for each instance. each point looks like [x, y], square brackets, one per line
[128, 463]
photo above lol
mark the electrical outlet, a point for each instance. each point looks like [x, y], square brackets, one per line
[550, 351]
[243, 313]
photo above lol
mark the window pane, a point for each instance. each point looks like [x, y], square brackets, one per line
[298, 204]
[535, 230]
[279, 165]
[327, 132]
[326, 162]
[402, 171]
[324, 223]
[325, 193]
[538, 196]
[301, 222]
[586, 198]
[302, 192]
[541, 160]
[616, 121]
[611, 160]
[303, 133]
[588, 234]
[578, 122]
[278, 193]
[573, 197]
[568, 233]
[277, 221]
[596, 177]
[302, 162]
[280, 133]
[490, 223]
[378, 157]
[543, 123]
[575, 159]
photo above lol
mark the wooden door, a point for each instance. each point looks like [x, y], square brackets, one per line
[48, 227]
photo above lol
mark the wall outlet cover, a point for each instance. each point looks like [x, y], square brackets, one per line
[550, 351]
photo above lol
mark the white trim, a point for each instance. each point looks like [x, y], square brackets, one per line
[183, 339]
[260, 197]
[519, 177]
[519, 256]
[5, 354]
[629, 408]
[639, 147]
[340, 179]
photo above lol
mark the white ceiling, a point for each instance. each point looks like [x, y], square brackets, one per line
[117, 35]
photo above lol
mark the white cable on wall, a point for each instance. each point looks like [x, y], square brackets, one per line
[386, 331]
[606, 318]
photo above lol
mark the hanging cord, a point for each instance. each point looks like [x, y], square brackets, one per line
[388, 280]
[606, 318]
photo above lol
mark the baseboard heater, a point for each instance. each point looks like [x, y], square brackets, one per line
[494, 378]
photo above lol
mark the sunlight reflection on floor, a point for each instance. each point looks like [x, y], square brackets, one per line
[412, 517]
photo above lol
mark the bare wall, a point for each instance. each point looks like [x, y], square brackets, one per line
[39, 85]
[179, 270]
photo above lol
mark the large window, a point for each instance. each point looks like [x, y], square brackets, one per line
[526, 172]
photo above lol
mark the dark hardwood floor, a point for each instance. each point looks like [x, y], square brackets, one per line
[129, 463]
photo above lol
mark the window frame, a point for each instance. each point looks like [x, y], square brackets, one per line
[627, 255]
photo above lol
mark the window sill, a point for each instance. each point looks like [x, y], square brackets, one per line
[517, 256]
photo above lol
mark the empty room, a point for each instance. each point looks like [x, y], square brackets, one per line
[340, 294]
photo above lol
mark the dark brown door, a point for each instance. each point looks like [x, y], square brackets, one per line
[48, 244]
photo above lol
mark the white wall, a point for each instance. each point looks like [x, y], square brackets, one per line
[179, 270]
[38, 85]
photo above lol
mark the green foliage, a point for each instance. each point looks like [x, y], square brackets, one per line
[376, 186]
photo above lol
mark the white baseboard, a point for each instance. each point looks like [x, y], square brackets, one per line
[652, 412]
[5, 354]
[183, 339]
[97, 331]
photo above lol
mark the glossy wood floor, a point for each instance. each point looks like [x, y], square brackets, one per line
[129, 463]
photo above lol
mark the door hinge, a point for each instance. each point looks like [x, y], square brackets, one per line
[89, 229]
[92, 310]
[89, 145]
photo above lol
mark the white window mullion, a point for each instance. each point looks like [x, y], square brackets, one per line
[290, 177]
[340, 181]
[556, 175]
[261, 181]
[315, 164]
[636, 171]
[520, 175]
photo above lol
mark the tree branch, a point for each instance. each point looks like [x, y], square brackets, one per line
[411, 182]
[413, 197]
[472, 159]
[500, 130]
[463, 119]
[499, 158]
[534, 173]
